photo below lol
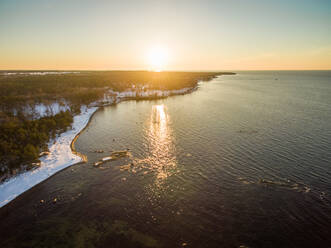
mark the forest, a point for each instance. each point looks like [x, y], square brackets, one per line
[22, 140]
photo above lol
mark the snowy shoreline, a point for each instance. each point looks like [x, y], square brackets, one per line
[59, 158]
[62, 153]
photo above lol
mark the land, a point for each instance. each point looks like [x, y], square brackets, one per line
[17, 89]
[36, 107]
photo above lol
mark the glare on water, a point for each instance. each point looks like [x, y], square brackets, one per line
[162, 157]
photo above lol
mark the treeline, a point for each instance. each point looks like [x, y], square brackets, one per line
[87, 86]
[21, 140]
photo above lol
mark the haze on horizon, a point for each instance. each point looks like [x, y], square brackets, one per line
[169, 35]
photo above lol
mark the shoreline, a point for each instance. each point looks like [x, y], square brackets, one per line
[62, 150]
[60, 157]
[72, 144]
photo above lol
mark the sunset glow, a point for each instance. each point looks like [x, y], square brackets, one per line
[139, 35]
[158, 58]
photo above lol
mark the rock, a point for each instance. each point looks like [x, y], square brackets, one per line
[307, 189]
[119, 154]
[114, 155]
[44, 153]
[107, 158]
[96, 164]
[125, 167]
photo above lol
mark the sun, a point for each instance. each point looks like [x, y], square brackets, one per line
[158, 58]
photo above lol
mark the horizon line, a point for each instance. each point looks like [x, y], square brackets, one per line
[145, 70]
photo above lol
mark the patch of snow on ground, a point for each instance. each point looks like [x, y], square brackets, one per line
[150, 93]
[59, 158]
[42, 110]
[38, 73]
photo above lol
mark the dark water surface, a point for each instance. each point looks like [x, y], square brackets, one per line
[243, 161]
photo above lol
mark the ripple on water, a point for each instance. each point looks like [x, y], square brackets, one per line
[242, 161]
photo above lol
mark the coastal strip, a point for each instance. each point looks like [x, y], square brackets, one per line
[62, 153]
[60, 156]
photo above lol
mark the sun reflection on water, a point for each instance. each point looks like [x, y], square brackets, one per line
[161, 143]
[160, 158]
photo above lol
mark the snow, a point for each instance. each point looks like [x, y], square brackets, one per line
[42, 110]
[38, 73]
[60, 155]
[59, 158]
[131, 93]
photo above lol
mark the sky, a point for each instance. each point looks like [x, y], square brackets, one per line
[173, 35]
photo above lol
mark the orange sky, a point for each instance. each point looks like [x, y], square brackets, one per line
[167, 35]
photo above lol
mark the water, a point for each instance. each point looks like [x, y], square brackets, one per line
[242, 161]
